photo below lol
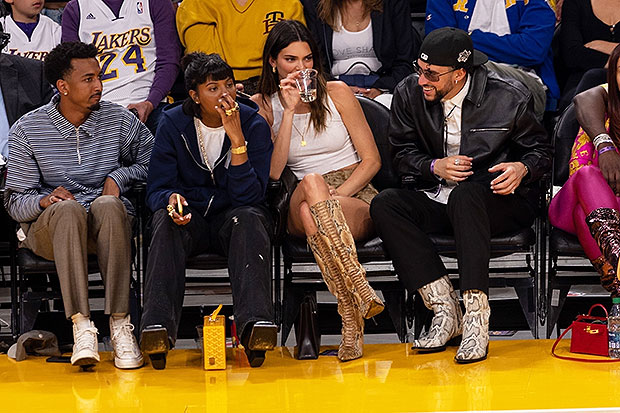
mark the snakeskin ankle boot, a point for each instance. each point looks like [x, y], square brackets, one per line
[609, 279]
[329, 214]
[475, 344]
[352, 323]
[604, 224]
[446, 326]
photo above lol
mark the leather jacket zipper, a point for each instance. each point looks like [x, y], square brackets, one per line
[489, 129]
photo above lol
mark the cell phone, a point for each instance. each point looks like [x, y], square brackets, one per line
[179, 205]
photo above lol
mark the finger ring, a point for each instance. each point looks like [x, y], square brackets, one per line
[171, 214]
[512, 193]
[170, 209]
[280, 86]
[229, 112]
[457, 161]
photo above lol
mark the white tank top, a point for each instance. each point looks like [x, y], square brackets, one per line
[45, 36]
[354, 53]
[126, 47]
[330, 150]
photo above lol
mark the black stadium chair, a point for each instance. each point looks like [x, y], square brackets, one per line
[35, 286]
[561, 244]
[299, 283]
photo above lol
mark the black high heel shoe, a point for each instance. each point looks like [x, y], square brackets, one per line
[155, 343]
[262, 337]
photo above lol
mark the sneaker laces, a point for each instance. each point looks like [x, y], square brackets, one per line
[122, 338]
[86, 337]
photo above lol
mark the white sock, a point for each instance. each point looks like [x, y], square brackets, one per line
[81, 321]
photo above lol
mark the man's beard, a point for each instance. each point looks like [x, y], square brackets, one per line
[439, 94]
[94, 107]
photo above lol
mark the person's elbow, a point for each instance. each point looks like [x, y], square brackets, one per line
[373, 163]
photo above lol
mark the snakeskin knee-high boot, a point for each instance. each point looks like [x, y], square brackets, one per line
[475, 344]
[604, 224]
[352, 323]
[329, 214]
[609, 279]
[440, 297]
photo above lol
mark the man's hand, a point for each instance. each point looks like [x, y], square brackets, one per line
[609, 164]
[510, 179]
[174, 214]
[454, 168]
[111, 188]
[144, 109]
[57, 195]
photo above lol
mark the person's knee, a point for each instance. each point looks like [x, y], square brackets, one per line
[383, 203]
[108, 204]
[312, 183]
[161, 222]
[465, 196]
[249, 218]
[588, 173]
[69, 208]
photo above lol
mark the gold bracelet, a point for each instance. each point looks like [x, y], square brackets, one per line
[239, 150]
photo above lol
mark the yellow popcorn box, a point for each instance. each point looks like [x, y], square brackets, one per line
[214, 341]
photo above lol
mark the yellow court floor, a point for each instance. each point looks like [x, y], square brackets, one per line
[519, 374]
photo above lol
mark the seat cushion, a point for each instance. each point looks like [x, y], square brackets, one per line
[207, 261]
[29, 262]
[564, 244]
[297, 250]
[503, 244]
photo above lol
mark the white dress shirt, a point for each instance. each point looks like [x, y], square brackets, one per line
[452, 110]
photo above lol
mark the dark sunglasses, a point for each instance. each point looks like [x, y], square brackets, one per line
[429, 74]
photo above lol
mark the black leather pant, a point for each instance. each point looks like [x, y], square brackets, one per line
[242, 234]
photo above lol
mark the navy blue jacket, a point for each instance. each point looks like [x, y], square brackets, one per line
[176, 165]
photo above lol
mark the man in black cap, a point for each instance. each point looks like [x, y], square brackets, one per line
[469, 148]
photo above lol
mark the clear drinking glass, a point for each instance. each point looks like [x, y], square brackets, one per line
[306, 83]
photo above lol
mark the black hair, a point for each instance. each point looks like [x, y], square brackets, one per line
[58, 62]
[281, 36]
[199, 67]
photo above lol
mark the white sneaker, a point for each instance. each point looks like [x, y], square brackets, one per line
[85, 346]
[127, 353]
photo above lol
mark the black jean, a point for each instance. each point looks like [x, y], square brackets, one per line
[403, 218]
[242, 234]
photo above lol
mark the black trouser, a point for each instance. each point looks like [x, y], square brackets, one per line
[242, 234]
[403, 218]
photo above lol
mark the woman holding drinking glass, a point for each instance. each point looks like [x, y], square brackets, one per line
[329, 147]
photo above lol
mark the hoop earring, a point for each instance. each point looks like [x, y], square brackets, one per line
[273, 69]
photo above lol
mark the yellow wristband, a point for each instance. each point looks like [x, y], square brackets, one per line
[239, 150]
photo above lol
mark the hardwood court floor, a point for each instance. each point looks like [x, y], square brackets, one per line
[519, 374]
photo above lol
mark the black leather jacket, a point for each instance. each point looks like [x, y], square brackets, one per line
[498, 125]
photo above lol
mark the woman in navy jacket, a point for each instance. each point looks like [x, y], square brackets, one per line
[206, 186]
[394, 40]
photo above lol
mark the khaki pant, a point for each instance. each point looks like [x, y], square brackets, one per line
[66, 234]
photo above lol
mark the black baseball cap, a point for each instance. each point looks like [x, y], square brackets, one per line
[449, 46]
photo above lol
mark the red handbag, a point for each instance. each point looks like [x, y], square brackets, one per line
[589, 337]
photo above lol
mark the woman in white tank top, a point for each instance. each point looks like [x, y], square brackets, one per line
[328, 145]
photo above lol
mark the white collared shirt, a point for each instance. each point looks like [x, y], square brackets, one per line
[452, 111]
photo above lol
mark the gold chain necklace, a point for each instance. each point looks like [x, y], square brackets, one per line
[201, 143]
[303, 135]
